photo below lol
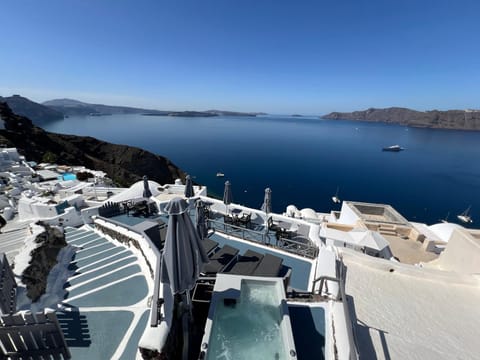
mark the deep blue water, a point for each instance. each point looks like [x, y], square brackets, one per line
[303, 160]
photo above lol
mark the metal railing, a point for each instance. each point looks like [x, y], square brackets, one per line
[342, 298]
[35, 336]
[305, 249]
[323, 284]
[239, 231]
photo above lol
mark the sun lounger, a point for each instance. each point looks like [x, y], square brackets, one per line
[270, 265]
[246, 263]
[220, 260]
[209, 245]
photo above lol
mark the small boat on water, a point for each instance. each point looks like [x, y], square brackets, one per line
[220, 174]
[393, 148]
[465, 216]
[335, 198]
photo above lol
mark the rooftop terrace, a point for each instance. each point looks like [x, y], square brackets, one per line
[377, 213]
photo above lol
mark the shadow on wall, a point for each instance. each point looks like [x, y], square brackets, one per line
[363, 336]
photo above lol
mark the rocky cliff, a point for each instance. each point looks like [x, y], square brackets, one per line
[124, 164]
[36, 112]
[450, 119]
[43, 259]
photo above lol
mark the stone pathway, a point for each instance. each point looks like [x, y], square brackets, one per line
[105, 311]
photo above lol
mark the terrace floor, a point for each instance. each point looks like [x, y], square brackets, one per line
[105, 309]
[409, 251]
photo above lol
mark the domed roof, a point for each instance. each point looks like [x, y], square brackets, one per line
[308, 213]
[136, 191]
[444, 230]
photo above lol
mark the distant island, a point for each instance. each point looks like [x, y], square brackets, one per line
[208, 113]
[235, 113]
[70, 107]
[58, 109]
[191, 114]
[449, 119]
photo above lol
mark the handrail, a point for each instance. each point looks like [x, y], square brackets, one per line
[308, 250]
[157, 302]
[243, 230]
[298, 247]
[323, 280]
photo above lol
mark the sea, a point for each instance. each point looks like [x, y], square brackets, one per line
[304, 160]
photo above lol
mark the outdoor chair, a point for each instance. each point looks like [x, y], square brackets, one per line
[208, 214]
[245, 219]
[271, 225]
[284, 234]
[231, 220]
[228, 219]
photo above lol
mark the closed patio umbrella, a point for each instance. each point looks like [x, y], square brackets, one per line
[267, 206]
[182, 259]
[267, 201]
[183, 255]
[146, 189]
[189, 187]
[227, 194]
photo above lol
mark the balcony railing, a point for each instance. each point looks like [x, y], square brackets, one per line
[298, 246]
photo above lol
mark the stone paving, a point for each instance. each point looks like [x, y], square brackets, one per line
[105, 309]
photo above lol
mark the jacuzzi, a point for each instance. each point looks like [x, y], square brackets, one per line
[248, 319]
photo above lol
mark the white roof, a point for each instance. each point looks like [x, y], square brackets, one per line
[412, 312]
[426, 230]
[47, 174]
[135, 191]
[370, 239]
[308, 213]
[444, 230]
[335, 234]
[359, 237]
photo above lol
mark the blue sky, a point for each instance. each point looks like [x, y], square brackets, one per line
[308, 57]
